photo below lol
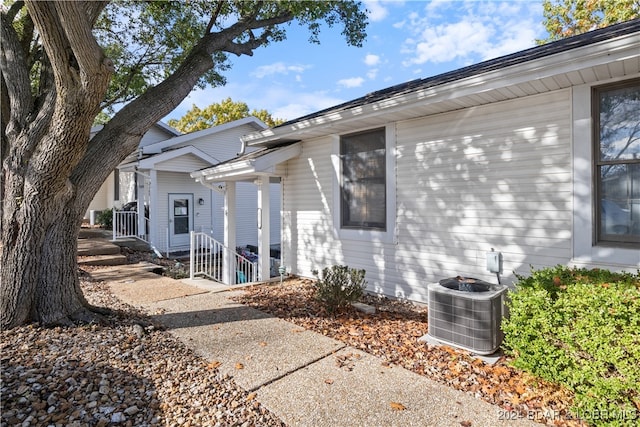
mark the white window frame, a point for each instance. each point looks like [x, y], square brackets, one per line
[389, 235]
[585, 250]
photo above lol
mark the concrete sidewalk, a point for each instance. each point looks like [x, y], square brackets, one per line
[303, 377]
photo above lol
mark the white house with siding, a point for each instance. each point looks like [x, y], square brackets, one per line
[158, 173]
[113, 190]
[535, 155]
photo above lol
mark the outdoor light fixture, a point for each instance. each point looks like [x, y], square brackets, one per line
[201, 201]
[282, 269]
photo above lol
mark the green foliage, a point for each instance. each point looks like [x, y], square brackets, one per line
[580, 328]
[219, 113]
[565, 18]
[105, 219]
[339, 286]
[148, 41]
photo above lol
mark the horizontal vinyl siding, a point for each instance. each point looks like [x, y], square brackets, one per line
[180, 183]
[496, 176]
[308, 239]
[221, 145]
[187, 163]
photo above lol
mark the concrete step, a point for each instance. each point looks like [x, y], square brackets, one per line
[90, 247]
[102, 260]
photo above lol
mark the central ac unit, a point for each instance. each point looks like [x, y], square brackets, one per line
[467, 316]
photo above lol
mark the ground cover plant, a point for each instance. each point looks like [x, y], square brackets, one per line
[580, 328]
[339, 286]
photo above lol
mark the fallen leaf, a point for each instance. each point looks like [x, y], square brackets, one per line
[396, 406]
[251, 396]
[465, 423]
[214, 364]
[262, 344]
[239, 365]
[328, 381]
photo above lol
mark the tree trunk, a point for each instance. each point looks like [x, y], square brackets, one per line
[52, 170]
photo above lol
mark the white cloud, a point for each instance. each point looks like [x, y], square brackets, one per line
[372, 73]
[351, 82]
[371, 60]
[375, 10]
[278, 68]
[469, 32]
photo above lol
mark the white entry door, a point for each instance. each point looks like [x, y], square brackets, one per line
[180, 219]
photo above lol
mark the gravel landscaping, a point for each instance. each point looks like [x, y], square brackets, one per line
[126, 372]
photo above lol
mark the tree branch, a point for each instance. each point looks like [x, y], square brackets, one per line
[77, 28]
[15, 73]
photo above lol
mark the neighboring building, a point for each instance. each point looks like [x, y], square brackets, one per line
[535, 155]
[158, 174]
[112, 190]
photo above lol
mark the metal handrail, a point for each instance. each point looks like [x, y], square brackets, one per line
[208, 257]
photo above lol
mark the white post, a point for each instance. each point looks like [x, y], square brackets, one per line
[264, 248]
[228, 260]
[141, 193]
[113, 222]
[154, 235]
[192, 257]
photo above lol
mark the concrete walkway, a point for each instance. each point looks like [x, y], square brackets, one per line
[305, 378]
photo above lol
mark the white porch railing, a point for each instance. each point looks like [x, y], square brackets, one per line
[207, 258]
[125, 224]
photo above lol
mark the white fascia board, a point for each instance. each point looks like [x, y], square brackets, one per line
[226, 172]
[150, 162]
[157, 147]
[262, 165]
[608, 51]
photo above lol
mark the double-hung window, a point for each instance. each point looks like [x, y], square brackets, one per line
[616, 113]
[363, 187]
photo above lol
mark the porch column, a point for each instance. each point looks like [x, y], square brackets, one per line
[142, 191]
[264, 232]
[153, 236]
[228, 260]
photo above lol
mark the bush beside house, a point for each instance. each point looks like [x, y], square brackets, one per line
[581, 328]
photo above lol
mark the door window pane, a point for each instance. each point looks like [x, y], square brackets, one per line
[181, 216]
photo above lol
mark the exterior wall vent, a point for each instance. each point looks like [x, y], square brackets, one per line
[466, 313]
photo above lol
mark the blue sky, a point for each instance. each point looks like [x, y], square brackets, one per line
[406, 40]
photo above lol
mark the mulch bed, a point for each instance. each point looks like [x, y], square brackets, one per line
[392, 334]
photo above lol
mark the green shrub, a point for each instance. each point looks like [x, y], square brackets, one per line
[105, 219]
[339, 286]
[580, 328]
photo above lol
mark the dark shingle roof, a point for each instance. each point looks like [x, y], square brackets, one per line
[533, 53]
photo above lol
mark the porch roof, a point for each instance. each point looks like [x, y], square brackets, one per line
[249, 166]
[152, 162]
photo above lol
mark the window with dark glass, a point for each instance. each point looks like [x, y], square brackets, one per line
[617, 162]
[363, 186]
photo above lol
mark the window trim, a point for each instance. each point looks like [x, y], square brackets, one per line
[599, 238]
[389, 235]
[343, 208]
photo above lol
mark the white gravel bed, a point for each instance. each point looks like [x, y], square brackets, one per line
[127, 373]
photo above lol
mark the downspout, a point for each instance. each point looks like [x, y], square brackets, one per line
[243, 147]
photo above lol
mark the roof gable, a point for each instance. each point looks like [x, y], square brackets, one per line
[160, 146]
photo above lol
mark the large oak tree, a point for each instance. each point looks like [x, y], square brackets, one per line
[62, 63]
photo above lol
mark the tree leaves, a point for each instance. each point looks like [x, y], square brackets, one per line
[219, 113]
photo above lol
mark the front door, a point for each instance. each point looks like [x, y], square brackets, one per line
[180, 219]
